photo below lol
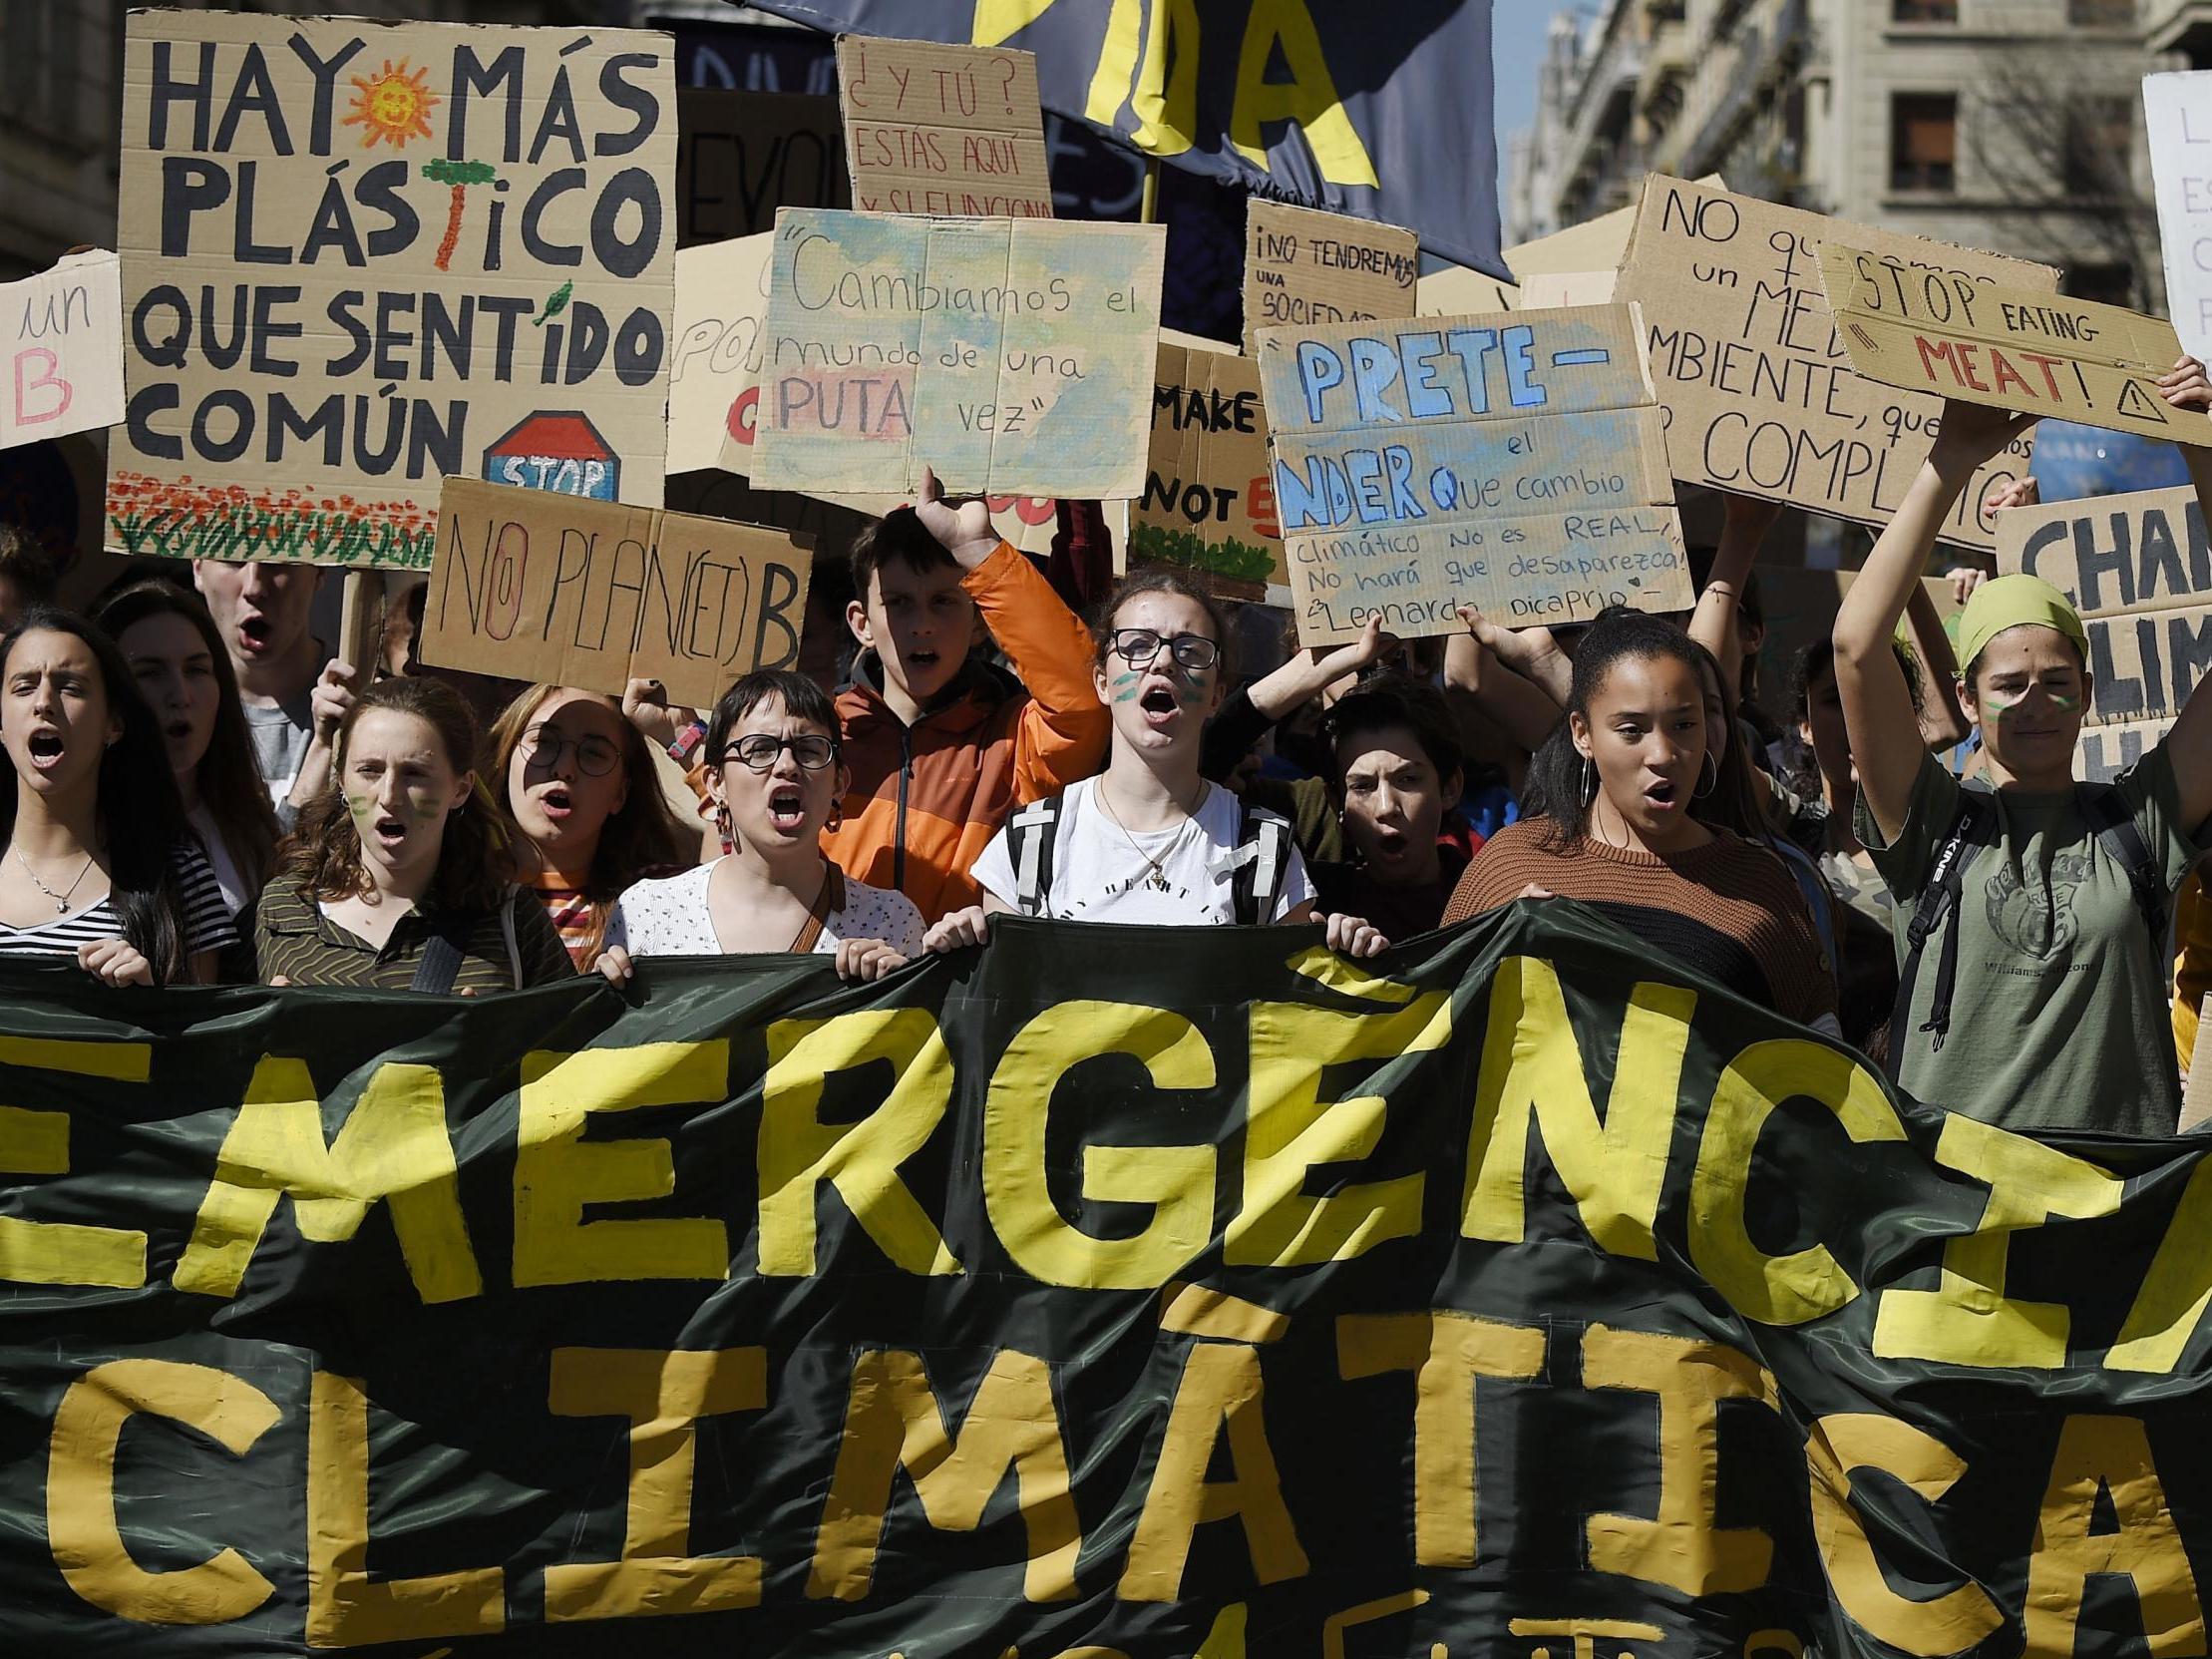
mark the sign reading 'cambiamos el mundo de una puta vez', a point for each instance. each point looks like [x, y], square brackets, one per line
[1514, 462]
[359, 258]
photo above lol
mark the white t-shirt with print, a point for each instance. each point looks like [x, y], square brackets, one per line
[668, 917]
[1100, 872]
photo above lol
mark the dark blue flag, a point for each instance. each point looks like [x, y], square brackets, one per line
[1383, 111]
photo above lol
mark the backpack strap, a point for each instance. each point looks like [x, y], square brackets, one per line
[1263, 865]
[506, 932]
[1972, 828]
[2116, 832]
[1033, 834]
[443, 953]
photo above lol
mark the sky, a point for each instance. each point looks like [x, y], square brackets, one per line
[1516, 47]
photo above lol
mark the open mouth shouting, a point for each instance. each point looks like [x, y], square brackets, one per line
[254, 633]
[45, 747]
[555, 802]
[1663, 795]
[388, 831]
[787, 807]
[1159, 703]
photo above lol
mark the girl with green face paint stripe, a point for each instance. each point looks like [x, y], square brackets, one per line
[2031, 906]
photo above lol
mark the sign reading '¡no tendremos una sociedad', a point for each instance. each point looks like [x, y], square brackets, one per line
[1307, 269]
[1760, 397]
[1012, 356]
[2042, 354]
[1514, 462]
[361, 258]
[544, 587]
[2139, 569]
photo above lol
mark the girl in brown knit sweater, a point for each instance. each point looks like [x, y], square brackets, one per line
[1616, 794]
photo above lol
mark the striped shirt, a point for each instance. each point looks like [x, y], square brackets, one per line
[503, 949]
[1729, 910]
[203, 919]
[568, 910]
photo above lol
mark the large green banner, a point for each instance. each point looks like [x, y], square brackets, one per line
[1162, 1294]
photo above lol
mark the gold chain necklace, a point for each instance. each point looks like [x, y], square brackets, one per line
[1154, 876]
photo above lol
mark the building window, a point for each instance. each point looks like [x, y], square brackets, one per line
[1924, 11]
[2100, 14]
[2098, 146]
[1923, 141]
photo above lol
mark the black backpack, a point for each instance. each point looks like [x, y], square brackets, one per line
[1263, 859]
[1972, 829]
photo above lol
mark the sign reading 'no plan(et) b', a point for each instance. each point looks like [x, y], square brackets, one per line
[1514, 462]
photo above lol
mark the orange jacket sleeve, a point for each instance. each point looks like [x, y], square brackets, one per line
[1063, 729]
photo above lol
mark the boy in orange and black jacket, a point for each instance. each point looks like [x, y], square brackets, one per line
[941, 748]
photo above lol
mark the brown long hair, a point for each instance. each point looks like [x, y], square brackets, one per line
[475, 859]
[229, 779]
[640, 836]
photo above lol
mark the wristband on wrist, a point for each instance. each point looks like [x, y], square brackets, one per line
[686, 743]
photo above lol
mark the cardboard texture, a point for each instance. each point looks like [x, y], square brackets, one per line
[2007, 348]
[1551, 291]
[360, 257]
[2139, 569]
[538, 586]
[742, 155]
[1516, 462]
[946, 130]
[714, 395]
[721, 297]
[1760, 397]
[2177, 119]
[61, 350]
[1021, 351]
[1307, 269]
[1457, 291]
[1209, 502]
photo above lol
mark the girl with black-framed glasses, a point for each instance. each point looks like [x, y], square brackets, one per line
[775, 776]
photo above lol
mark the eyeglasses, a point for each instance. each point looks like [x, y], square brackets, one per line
[758, 753]
[1139, 645]
[596, 755]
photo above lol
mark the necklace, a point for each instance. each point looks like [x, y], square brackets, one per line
[61, 899]
[1154, 876]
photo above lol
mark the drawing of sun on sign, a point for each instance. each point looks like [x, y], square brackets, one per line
[392, 106]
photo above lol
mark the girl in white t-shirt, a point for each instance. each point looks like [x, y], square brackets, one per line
[775, 778]
[1149, 841]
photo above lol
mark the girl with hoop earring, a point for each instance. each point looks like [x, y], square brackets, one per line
[775, 776]
[1631, 810]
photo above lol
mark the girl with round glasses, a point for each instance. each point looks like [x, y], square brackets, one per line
[775, 778]
[1149, 840]
[578, 780]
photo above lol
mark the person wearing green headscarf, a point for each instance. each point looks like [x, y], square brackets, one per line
[2036, 996]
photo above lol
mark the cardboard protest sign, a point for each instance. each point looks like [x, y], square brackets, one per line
[2009, 348]
[61, 350]
[1760, 398]
[1208, 502]
[721, 297]
[541, 587]
[1551, 291]
[1014, 356]
[2177, 117]
[1307, 269]
[2139, 569]
[742, 155]
[360, 257]
[1514, 462]
[1597, 244]
[949, 130]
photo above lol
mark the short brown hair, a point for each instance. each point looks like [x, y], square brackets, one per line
[898, 535]
[475, 861]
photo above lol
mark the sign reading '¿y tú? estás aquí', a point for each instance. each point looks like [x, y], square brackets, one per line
[358, 258]
[1514, 462]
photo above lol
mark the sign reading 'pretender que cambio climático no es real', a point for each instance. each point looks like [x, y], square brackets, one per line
[1514, 462]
